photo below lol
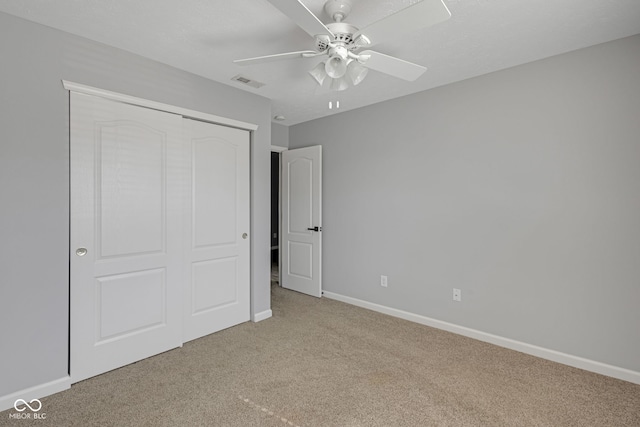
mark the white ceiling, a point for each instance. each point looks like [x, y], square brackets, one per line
[205, 36]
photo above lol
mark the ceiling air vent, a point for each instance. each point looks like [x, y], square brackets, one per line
[247, 81]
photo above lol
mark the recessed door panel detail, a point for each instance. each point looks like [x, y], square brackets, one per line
[130, 303]
[300, 207]
[214, 284]
[300, 260]
[214, 182]
[130, 185]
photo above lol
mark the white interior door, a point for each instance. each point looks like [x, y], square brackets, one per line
[301, 229]
[217, 229]
[126, 238]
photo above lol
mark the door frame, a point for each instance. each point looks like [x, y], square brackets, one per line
[279, 149]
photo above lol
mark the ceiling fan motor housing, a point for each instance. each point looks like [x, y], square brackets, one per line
[344, 34]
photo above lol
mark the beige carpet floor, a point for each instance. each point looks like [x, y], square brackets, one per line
[319, 362]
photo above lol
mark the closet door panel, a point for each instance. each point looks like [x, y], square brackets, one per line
[126, 239]
[217, 295]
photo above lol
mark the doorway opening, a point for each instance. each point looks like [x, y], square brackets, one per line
[275, 218]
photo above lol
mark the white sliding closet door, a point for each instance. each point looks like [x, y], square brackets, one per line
[126, 272]
[159, 232]
[217, 229]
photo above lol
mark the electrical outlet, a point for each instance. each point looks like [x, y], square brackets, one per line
[457, 294]
[383, 281]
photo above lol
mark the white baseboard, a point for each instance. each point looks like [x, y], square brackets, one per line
[263, 315]
[544, 353]
[42, 390]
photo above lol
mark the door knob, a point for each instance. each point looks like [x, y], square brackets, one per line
[81, 251]
[245, 235]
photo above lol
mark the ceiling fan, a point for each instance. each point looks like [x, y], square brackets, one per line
[342, 42]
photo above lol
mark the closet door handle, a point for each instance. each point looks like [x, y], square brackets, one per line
[316, 228]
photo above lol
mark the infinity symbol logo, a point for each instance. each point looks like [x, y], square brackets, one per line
[24, 402]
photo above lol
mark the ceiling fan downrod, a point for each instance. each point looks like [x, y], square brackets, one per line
[338, 10]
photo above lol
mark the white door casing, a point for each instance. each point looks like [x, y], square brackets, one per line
[217, 239]
[301, 243]
[126, 211]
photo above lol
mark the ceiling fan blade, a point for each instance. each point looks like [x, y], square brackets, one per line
[409, 19]
[302, 16]
[277, 57]
[393, 66]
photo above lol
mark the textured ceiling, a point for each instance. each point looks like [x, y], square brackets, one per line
[205, 36]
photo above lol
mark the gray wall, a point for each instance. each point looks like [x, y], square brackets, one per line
[279, 135]
[34, 180]
[521, 187]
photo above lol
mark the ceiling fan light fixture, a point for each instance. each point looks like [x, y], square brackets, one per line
[318, 73]
[356, 72]
[336, 67]
[339, 84]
